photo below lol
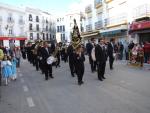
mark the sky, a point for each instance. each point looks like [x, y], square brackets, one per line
[52, 6]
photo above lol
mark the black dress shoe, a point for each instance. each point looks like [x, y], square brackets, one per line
[79, 83]
[46, 79]
[103, 78]
[72, 75]
[82, 82]
[111, 68]
[100, 79]
[51, 77]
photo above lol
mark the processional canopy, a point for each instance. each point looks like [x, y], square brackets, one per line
[76, 38]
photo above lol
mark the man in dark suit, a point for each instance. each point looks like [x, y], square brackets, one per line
[46, 52]
[101, 57]
[70, 52]
[110, 52]
[91, 45]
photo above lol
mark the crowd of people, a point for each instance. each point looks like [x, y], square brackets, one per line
[44, 56]
[10, 61]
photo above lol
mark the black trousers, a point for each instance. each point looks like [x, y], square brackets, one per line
[37, 63]
[111, 61]
[65, 57]
[41, 66]
[92, 63]
[101, 70]
[58, 61]
[71, 65]
[47, 71]
[80, 73]
[127, 55]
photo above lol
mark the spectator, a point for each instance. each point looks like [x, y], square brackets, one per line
[146, 52]
[18, 56]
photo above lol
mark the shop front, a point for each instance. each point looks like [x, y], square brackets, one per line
[87, 36]
[8, 41]
[120, 35]
[140, 30]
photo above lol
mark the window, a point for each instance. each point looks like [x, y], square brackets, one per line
[37, 27]
[10, 19]
[98, 1]
[10, 31]
[50, 36]
[60, 28]
[63, 37]
[30, 27]
[57, 19]
[57, 28]
[90, 20]
[37, 19]
[31, 36]
[30, 17]
[38, 36]
[21, 31]
[46, 28]
[53, 36]
[47, 36]
[99, 16]
[63, 28]
[46, 21]
[70, 17]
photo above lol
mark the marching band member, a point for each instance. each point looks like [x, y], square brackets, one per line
[46, 53]
[79, 59]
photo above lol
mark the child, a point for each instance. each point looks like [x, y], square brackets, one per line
[13, 67]
[6, 69]
[79, 64]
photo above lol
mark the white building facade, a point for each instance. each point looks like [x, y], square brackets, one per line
[112, 19]
[64, 26]
[40, 25]
[12, 25]
[17, 25]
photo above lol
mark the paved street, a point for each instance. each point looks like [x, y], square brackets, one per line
[126, 90]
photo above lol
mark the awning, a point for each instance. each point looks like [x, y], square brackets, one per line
[88, 35]
[140, 25]
[140, 31]
[114, 32]
[12, 38]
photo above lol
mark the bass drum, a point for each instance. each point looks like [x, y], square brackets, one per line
[51, 60]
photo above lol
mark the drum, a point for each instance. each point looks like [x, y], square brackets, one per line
[51, 60]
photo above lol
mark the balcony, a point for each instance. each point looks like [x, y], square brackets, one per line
[142, 11]
[10, 20]
[32, 30]
[116, 21]
[46, 21]
[107, 1]
[98, 3]
[89, 28]
[98, 25]
[88, 9]
[45, 30]
[21, 22]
